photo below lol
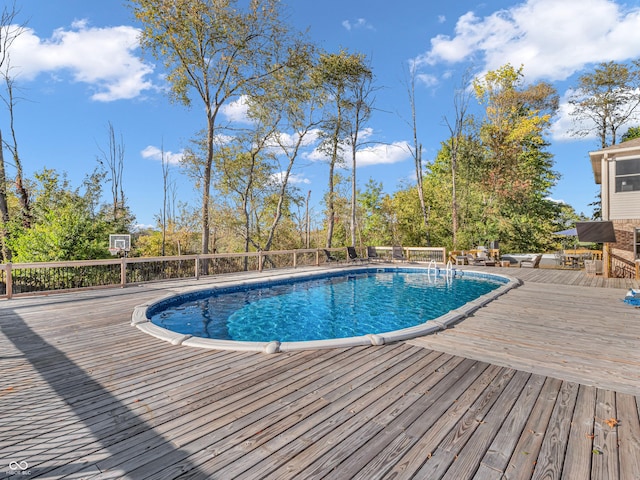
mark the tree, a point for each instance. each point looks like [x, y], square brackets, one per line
[285, 109]
[21, 189]
[361, 107]
[9, 31]
[340, 75]
[113, 158]
[376, 220]
[416, 153]
[456, 132]
[606, 100]
[218, 51]
[68, 224]
[517, 171]
[631, 133]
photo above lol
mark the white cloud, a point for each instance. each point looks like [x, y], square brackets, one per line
[358, 24]
[294, 178]
[237, 110]
[289, 140]
[442, 19]
[427, 79]
[155, 153]
[383, 154]
[551, 39]
[103, 58]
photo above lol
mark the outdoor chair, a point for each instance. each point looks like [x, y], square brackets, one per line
[484, 260]
[353, 255]
[330, 258]
[532, 262]
[593, 267]
[397, 253]
[372, 255]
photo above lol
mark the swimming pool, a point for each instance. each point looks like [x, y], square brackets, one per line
[353, 306]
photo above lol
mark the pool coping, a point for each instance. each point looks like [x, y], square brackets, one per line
[139, 317]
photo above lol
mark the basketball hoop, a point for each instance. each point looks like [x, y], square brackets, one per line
[119, 244]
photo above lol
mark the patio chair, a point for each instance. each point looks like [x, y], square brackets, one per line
[372, 255]
[353, 255]
[532, 262]
[397, 253]
[593, 267]
[330, 258]
[484, 260]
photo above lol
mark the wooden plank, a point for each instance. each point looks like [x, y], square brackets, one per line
[319, 455]
[373, 459]
[469, 458]
[552, 453]
[577, 461]
[449, 448]
[628, 435]
[523, 459]
[605, 442]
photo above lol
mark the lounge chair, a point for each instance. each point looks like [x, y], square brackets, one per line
[353, 255]
[484, 260]
[532, 262]
[372, 255]
[330, 258]
[397, 253]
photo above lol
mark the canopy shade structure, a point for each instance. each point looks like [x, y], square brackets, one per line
[568, 233]
[597, 232]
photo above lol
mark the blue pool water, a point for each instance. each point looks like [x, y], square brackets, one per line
[332, 306]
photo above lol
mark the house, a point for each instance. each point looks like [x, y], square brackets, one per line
[617, 170]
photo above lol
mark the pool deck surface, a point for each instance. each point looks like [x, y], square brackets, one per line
[543, 382]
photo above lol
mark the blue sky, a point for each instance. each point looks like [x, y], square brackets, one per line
[77, 68]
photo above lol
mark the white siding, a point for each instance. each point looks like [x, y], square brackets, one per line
[623, 205]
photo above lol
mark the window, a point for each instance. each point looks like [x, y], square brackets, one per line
[628, 175]
[636, 243]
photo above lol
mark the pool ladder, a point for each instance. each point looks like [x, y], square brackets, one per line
[450, 271]
[432, 267]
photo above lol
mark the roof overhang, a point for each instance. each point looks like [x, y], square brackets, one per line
[630, 147]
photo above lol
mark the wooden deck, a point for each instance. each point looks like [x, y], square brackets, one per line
[542, 383]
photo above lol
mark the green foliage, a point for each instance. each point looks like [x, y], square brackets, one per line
[631, 133]
[375, 219]
[68, 224]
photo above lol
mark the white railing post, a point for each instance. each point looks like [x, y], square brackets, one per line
[197, 272]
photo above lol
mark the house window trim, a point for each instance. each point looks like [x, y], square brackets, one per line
[616, 176]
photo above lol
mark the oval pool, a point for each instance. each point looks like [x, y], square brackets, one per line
[353, 306]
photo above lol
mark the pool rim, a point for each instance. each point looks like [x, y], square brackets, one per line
[140, 320]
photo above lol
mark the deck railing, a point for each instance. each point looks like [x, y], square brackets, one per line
[623, 268]
[20, 279]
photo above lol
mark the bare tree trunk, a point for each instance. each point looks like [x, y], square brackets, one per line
[307, 226]
[4, 208]
[417, 157]
[460, 103]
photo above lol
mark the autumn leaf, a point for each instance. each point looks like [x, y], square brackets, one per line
[612, 422]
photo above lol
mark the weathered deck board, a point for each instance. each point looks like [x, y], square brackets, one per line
[549, 387]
